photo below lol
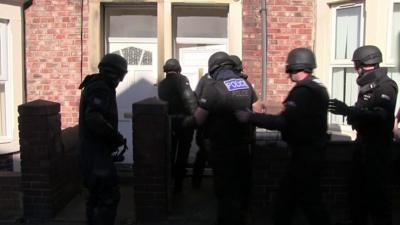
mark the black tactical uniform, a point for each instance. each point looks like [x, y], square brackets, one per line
[372, 117]
[303, 125]
[202, 140]
[230, 140]
[201, 136]
[99, 138]
[175, 90]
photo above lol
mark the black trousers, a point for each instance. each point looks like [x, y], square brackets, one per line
[232, 182]
[181, 138]
[202, 156]
[101, 180]
[368, 179]
[300, 188]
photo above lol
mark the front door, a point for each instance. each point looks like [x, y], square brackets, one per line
[194, 61]
[131, 31]
[139, 82]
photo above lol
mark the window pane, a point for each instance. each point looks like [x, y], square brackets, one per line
[3, 35]
[2, 110]
[1, 53]
[348, 24]
[206, 22]
[394, 73]
[344, 88]
[136, 22]
[396, 33]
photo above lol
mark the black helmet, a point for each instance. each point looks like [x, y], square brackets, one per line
[217, 60]
[114, 65]
[367, 55]
[300, 59]
[238, 63]
[172, 65]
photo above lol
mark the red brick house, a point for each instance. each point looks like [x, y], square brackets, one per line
[49, 46]
[62, 41]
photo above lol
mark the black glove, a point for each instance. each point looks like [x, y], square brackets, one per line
[120, 140]
[243, 116]
[338, 107]
[118, 156]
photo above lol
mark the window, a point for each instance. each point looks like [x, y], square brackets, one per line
[5, 130]
[393, 53]
[193, 46]
[394, 42]
[119, 27]
[394, 73]
[348, 26]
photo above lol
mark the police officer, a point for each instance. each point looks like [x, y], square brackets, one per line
[99, 139]
[175, 90]
[303, 124]
[229, 139]
[372, 117]
[202, 139]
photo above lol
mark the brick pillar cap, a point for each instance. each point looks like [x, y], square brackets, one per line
[152, 105]
[39, 107]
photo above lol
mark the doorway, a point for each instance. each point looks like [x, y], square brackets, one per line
[131, 31]
[199, 31]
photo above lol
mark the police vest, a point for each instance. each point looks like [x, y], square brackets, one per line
[378, 95]
[309, 126]
[235, 94]
[230, 94]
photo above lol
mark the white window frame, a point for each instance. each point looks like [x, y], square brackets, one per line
[342, 63]
[390, 61]
[208, 41]
[5, 78]
[198, 40]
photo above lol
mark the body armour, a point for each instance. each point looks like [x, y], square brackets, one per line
[305, 114]
[226, 93]
[98, 130]
[98, 113]
[175, 90]
[373, 114]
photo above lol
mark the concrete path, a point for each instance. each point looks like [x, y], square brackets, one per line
[191, 207]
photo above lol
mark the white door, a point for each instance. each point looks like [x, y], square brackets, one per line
[139, 83]
[194, 61]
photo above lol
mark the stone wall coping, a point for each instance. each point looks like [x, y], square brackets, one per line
[150, 106]
[9, 174]
[39, 107]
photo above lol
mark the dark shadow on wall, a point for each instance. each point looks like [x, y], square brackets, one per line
[70, 169]
[138, 91]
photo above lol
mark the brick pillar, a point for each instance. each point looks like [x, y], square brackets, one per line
[41, 158]
[151, 159]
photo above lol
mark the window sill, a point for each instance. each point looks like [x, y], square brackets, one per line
[8, 145]
[5, 140]
[340, 132]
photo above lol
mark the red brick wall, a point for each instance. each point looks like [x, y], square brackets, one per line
[53, 48]
[290, 25]
[53, 54]
[49, 176]
[10, 196]
[270, 162]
